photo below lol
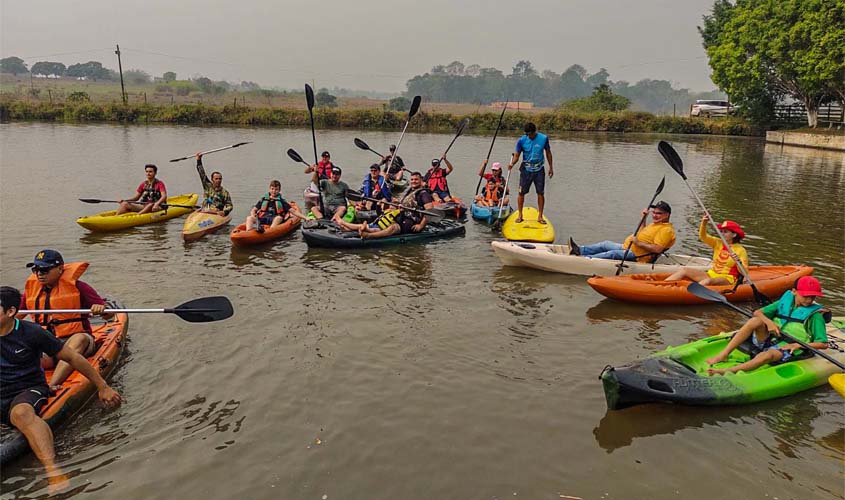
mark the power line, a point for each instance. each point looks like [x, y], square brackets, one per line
[67, 53]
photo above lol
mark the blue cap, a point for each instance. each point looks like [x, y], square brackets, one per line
[47, 258]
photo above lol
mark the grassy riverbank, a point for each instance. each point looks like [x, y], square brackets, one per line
[203, 114]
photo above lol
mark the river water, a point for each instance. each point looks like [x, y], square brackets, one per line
[416, 372]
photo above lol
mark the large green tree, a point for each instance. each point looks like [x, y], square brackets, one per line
[91, 69]
[13, 65]
[763, 50]
[48, 68]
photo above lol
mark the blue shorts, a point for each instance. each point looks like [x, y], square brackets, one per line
[527, 178]
[768, 345]
[442, 194]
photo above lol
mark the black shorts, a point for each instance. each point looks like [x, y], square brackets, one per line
[266, 220]
[406, 223]
[34, 396]
[527, 178]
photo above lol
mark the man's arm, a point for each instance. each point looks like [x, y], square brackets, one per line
[449, 166]
[549, 159]
[200, 170]
[106, 394]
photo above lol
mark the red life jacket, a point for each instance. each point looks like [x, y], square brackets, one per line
[324, 169]
[436, 180]
[64, 295]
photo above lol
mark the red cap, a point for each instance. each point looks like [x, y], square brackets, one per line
[808, 286]
[733, 227]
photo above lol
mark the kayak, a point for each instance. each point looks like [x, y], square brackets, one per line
[455, 209]
[77, 390]
[771, 281]
[556, 259]
[679, 375]
[200, 223]
[489, 214]
[328, 235]
[349, 216]
[837, 381]
[529, 229]
[109, 221]
[241, 237]
[397, 187]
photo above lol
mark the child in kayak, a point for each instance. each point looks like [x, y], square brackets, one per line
[724, 270]
[271, 210]
[796, 314]
[491, 194]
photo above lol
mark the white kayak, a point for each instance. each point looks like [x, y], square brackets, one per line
[556, 259]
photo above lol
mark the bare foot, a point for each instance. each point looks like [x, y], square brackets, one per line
[519, 220]
[361, 231]
[57, 482]
[541, 220]
[715, 371]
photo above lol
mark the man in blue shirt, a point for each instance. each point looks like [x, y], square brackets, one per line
[535, 150]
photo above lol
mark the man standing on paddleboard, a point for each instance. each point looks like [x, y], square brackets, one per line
[535, 150]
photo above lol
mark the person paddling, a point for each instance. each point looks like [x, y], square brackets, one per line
[397, 169]
[406, 221]
[56, 285]
[23, 386]
[535, 150]
[271, 210]
[216, 198]
[334, 196]
[374, 186]
[323, 168]
[795, 313]
[152, 192]
[435, 180]
[724, 270]
[650, 241]
[495, 173]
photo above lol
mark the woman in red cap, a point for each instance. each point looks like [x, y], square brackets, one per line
[724, 270]
[796, 314]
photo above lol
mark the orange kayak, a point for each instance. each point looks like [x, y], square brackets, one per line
[241, 237]
[771, 281]
[77, 390]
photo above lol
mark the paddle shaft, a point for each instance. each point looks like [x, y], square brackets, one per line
[433, 215]
[309, 99]
[163, 205]
[457, 134]
[502, 201]
[639, 226]
[113, 311]
[211, 151]
[396, 151]
[490, 151]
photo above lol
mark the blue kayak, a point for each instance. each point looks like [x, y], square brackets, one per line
[490, 214]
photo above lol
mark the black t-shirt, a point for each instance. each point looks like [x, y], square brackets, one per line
[398, 164]
[20, 357]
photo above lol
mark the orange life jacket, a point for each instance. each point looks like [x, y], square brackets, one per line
[491, 194]
[64, 295]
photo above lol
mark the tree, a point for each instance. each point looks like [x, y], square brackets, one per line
[137, 76]
[13, 65]
[761, 50]
[92, 69]
[205, 84]
[523, 69]
[169, 76]
[603, 99]
[323, 99]
[399, 104]
[48, 68]
[249, 86]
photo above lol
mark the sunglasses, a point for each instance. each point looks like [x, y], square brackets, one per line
[42, 270]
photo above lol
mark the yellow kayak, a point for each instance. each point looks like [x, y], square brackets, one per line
[837, 381]
[108, 221]
[200, 223]
[529, 229]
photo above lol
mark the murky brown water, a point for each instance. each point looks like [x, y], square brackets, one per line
[416, 372]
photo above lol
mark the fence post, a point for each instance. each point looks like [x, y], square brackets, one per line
[145, 98]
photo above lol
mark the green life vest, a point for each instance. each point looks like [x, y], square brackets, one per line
[794, 321]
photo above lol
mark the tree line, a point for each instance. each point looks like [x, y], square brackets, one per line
[456, 82]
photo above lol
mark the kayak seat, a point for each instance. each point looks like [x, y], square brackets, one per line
[527, 246]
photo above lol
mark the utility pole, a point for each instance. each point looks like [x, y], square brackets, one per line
[120, 68]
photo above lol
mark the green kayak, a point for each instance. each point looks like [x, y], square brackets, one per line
[679, 375]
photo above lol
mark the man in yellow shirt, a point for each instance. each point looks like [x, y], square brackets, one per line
[649, 242]
[724, 270]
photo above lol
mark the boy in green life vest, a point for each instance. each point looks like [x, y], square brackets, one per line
[796, 314]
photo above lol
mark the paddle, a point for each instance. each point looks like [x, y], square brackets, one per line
[705, 293]
[295, 156]
[498, 223]
[363, 145]
[637, 230]
[163, 205]
[202, 310]
[490, 151]
[212, 151]
[309, 99]
[415, 106]
[671, 156]
[458, 131]
[434, 215]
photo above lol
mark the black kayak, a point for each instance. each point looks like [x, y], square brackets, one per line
[328, 235]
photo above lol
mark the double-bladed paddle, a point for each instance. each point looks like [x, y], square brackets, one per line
[490, 151]
[309, 100]
[434, 215]
[671, 156]
[705, 293]
[637, 230]
[163, 205]
[415, 106]
[363, 145]
[202, 310]
[212, 151]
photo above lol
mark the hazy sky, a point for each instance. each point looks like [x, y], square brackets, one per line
[365, 44]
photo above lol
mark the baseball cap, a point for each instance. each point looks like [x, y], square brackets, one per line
[47, 258]
[393, 147]
[435, 162]
[336, 170]
[324, 154]
[496, 166]
[375, 166]
[808, 286]
[662, 205]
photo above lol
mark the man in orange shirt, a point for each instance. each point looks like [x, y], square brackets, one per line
[650, 241]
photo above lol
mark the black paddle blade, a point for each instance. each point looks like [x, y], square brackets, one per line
[204, 310]
[660, 187]
[309, 96]
[415, 106]
[90, 200]
[295, 156]
[671, 156]
[241, 144]
[705, 293]
[361, 144]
